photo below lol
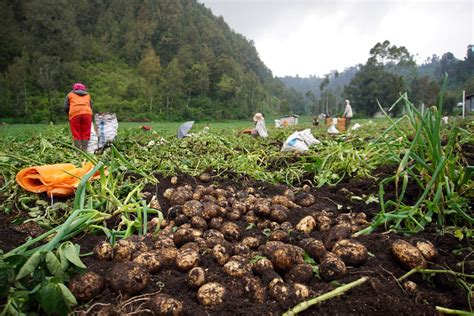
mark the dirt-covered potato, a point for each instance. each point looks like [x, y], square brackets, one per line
[164, 305]
[351, 252]
[262, 207]
[182, 236]
[240, 249]
[168, 255]
[233, 215]
[300, 291]
[278, 235]
[410, 287]
[255, 289]
[196, 277]
[150, 260]
[283, 258]
[213, 233]
[190, 245]
[221, 254]
[123, 250]
[222, 201]
[283, 200]
[306, 225]
[278, 290]
[251, 242]
[205, 177]
[237, 267]
[332, 268]
[304, 199]
[278, 213]
[128, 278]
[192, 208]
[174, 180]
[289, 194]
[427, 249]
[231, 231]
[314, 247]
[180, 196]
[209, 210]
[164, 242]
[262, 265]
[239, 206]
[103, 250]
[270, 246]
[407, 255]
[168, 193]
[198, 222]
[209, 199]
[87, 286]
[180, 219]
[323, 222]
[187, 259]
[211, 294]
[286, 226]
[336, 233]
[215, 222]
[300, 273]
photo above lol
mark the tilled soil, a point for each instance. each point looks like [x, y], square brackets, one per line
[380, 294]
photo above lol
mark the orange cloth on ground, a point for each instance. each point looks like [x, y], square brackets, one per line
[58, 180]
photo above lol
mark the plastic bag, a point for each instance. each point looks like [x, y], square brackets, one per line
[277, 123]
[107, 127]
[299, 141]
[308, 138]
[355, 126]
[332, 129]
[93, 144]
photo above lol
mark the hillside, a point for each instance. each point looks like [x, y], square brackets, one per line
[169, 59]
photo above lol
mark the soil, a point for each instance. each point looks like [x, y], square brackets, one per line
[380, 294]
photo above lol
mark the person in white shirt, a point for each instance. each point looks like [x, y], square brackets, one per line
[260, 129]
[348, 113]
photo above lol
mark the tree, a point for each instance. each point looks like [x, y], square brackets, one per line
[149, 67]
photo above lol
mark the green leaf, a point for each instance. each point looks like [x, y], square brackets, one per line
[63, 260]
[70, 251]
[68, 296]
[53, 264]
[52, 300]
[459, 234]
[29, 266]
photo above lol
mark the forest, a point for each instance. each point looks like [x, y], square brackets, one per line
[173, 60]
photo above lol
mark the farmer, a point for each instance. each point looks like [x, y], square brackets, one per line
[347, 113]
[260, 129]
[78, 106]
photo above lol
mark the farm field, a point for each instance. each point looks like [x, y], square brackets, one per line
[225, 223]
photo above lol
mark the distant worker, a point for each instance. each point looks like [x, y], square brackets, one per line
[348, 113]
[260, 129]
[78, 107]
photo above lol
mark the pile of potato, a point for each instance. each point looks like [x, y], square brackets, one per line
[228, 225]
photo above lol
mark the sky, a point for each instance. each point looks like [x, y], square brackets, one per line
[314, 37]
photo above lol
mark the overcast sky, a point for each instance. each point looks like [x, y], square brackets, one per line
[307, 37]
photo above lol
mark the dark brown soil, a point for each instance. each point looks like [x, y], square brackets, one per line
[381, 294]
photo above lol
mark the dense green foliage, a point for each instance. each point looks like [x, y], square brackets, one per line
[156, 59]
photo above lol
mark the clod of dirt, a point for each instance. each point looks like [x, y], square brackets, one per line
[351, 252]
[128, 278]
[407, 255]
[187, 259]
[163, 304]
[196, 277]
[150, 260]
[306, 225]
[337, 232]
[332, 268]
[305, 199]
[87, 286]
[314, 247]
[255, 289]
[211, 294]
[123, 250]
[300, 273]
[427, 249]
[103, 250]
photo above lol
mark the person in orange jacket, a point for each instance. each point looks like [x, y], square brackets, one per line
[78, 107]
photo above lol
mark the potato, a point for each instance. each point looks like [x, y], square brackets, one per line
[213, 233]
[103, 251]
[250, 202]
[240, 249]
[300, 291]
[180, 220]
[351, 252]
[282, 258]
[251, 242]
[262, 207]
[233, 215]
[196, 277]
[198, 222]
[306, 225]
[410, 287]
[254, 287]
[220, 254]
[128, 278]
[211, 294]
[261, 266]
[305, 199]
[231, 231]
[274, 226]
[251, 218]
[278, 213]
[164, 242]
[236, 267]
[87, 286]
[192, 208]
[123, 250]
[182, 236]
[190, 245]
[278, 235]
[168, 193]
[174, 180]
[337, 232]
[209, 199]
[187, 259]
[315, 248]
[180, 196]
[168, 256]
[162, 304]
[278, 290]
[282, 200]
[209, 210]
[300, 273]
[286, 226]
[427, 249]
[289, 194]
[150, 260]
[239, 206]
[332, 268]
[222, 201]
[407, 255]
[205, 177]
[270, 246]
[215, 222]
[323, 223]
